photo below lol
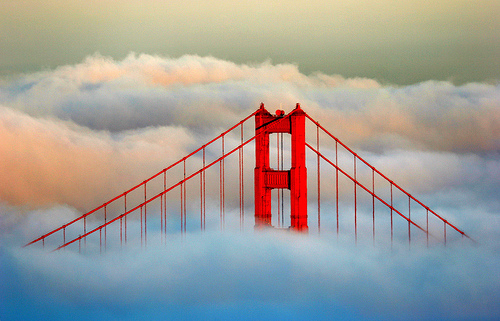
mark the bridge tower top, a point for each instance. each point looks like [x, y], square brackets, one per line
[294, 179]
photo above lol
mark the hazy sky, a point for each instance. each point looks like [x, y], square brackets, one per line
[96, 96]
[396, 41]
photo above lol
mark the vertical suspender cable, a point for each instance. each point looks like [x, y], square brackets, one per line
[125, 202]
[121, 227]
[355, 203]
[161, 214]
[319, 180]
[141, 228]
[221, 188]
[409, 220]
[121, 231]
[373, 204]
[204, 191]
[166, 204]
[185, 199]
[184, 213]
[242, 180]
[220, 194]
[278, 167]
[201, 200]
[105, 226]
[427, 226]
[444, 233]
[337, 183]
[392, 229]
[240, 154]
[282, 194]
[182, 208]
[84, 230]
[223, 185]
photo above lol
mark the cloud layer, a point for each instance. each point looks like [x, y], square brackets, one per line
[277, 276]
[144, 90]
[73, 137]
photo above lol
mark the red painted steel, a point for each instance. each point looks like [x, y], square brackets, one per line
[409, 218]
[241, 185]
[285, 180]
[298, 172]
[385, 177]
[123, 195]
[337, 183]
[265, 179]
[281, 192]
[125, 199]
[373, 205]
[364, 187]
[319, 180]
[355, 180]
[145, 216]
[262, 194]
[156, 196]
[204, 192]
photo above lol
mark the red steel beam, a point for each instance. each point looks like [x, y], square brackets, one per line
[385, 177]
[141, 184]
[156, 196]
[365, 188]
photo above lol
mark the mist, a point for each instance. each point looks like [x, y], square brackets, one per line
[75, 136]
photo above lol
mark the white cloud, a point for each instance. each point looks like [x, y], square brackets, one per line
[73, 137]
[144, 90]
[217, 269]
[48, 161]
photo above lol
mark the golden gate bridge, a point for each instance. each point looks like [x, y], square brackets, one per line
[350, 195]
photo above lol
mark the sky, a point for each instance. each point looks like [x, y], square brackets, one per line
[398, 42]
[96, 96]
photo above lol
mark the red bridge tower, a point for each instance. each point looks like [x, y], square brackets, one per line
[294, 179]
